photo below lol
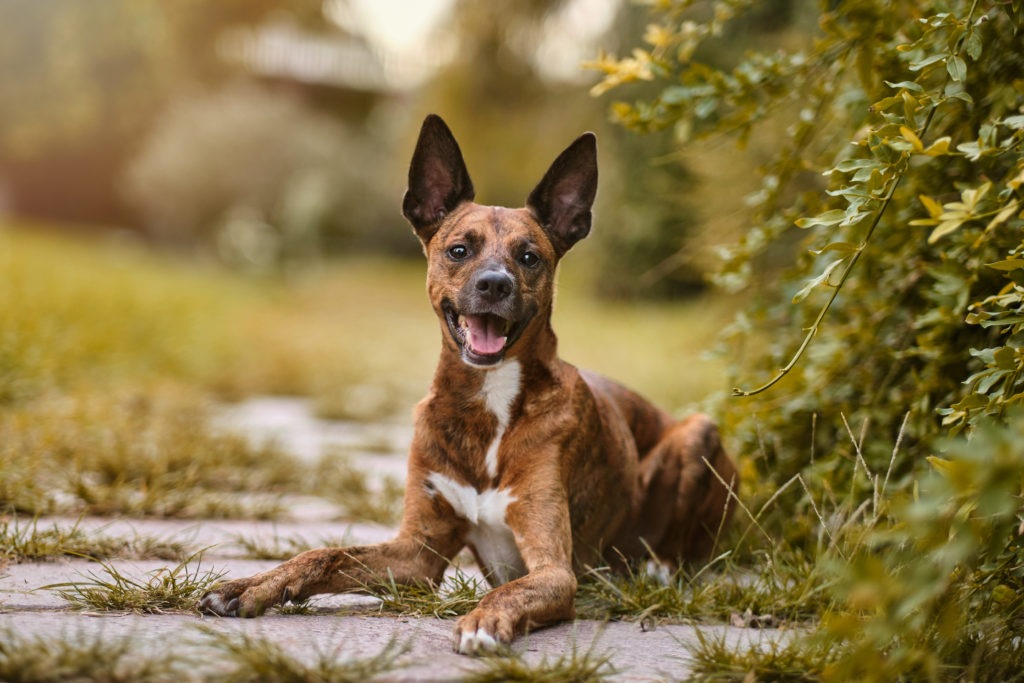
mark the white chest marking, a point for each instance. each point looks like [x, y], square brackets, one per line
[500, 390]
[489, 534]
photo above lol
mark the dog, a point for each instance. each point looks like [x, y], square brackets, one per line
[541, 469]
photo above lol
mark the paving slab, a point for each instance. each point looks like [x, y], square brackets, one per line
[635, 655]
[342, 626]
[222, 537]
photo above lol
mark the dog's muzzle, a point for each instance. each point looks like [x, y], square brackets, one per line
[483, 336]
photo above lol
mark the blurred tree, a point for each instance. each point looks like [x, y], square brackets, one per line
[80, 80]
[258, 173]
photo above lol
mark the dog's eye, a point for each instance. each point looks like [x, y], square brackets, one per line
[458, 252]
[529, 259]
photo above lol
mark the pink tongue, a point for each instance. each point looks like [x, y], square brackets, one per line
[485, 333]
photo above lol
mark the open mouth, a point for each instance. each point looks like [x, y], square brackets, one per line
[483, 338]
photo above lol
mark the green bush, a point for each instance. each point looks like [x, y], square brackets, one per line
[902, 164]
[899, 178]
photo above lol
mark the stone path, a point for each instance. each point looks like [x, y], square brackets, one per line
[26, 609]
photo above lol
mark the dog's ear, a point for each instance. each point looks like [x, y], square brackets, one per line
[438, 179]
[562, 200]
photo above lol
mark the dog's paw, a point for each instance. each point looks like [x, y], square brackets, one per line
[249, 597]
[482, 631]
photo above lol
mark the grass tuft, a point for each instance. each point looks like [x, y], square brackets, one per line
[573, 667]
[458, 594]
[83, 657]
[135, 453]
[24, 543]
[165, 590]
[257, 658]
[336, 479]
[773, 659]
[781, 588]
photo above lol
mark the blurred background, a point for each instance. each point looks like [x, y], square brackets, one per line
[230, 174]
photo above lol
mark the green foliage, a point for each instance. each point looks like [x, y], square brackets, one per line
[938, 590]
[912, 112]
[898, 177]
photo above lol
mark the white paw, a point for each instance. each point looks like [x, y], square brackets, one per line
[474, 642]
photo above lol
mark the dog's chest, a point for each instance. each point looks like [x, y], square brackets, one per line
[485, 510]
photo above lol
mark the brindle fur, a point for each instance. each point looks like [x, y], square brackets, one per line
[597, 472]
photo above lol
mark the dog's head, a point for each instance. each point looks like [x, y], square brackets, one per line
[490, 273]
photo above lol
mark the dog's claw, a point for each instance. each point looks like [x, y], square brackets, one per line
[213, 603]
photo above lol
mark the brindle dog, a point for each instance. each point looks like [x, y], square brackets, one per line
[540, 468]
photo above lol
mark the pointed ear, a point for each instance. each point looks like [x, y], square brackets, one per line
[562, 200]
[438, 180]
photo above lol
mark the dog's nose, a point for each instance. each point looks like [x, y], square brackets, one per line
[494, 285]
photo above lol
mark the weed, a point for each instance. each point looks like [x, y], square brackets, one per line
[458, 594]
[130, 453]
[83, 657]
[783, 587]
[573, 667]
[21, 543]
[257, 658]
[176, 589]
[303, 607]
[772, 659]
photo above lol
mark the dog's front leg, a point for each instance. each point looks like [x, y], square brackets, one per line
[422, 550]
[540, 524]
[326, 570]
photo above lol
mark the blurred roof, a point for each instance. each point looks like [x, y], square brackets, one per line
[283, 49]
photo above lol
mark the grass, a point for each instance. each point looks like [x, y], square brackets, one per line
[458, 594]
[336, 479]
[109, 364]
[357, 336]
[125, 452]
[257, 658]
[85, 656]
[781, 589]
[165, 590]
[572, 667]
[27, 543]
[774, 659]
[157, 454]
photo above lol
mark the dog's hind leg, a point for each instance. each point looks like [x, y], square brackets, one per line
[684, 503]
